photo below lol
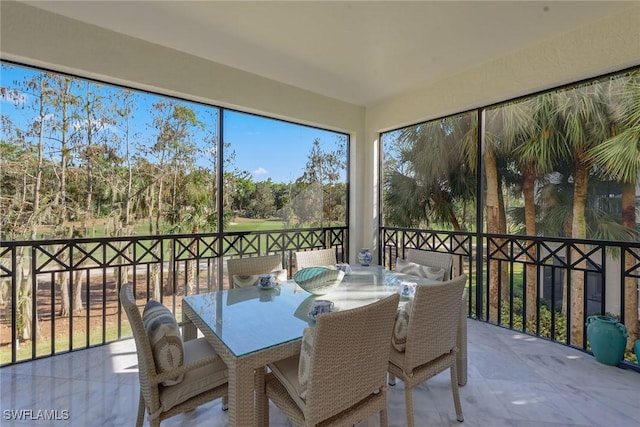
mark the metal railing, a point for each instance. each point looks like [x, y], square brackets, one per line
[546, 287]
[62, 295]
[35, 274]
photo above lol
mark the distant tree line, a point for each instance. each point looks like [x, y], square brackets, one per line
[77, 154]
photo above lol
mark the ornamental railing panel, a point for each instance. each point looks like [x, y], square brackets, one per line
[62, 295]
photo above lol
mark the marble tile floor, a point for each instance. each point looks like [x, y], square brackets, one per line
[514, 380]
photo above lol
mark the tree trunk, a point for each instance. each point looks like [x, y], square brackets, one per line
[78, 305]
[579, 229]
[172, 276]
[493, 226]
[63, 284]
[25, 297]
[630, 283]
[502, 227]
[192, 266]
[528, 190]
[89, 153]
[62, 279]
[155, 282]
[159, 207]
[565, 280]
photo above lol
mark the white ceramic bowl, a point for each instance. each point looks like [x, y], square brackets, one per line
[318, 280]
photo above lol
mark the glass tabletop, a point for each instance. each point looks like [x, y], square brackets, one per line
[250, 319]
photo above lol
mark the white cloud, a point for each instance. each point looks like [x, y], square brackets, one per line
[260, 171]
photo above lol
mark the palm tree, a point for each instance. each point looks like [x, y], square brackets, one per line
[529, 133]
[619, 157]
[433, 173]
[502, 127]
[586, 122]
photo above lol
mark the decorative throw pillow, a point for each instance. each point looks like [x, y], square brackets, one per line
[242, 281]
[399, 337]
[426, 271]
[165, 339]
[304, 366]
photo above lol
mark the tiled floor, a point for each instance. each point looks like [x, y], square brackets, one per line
[514, 380]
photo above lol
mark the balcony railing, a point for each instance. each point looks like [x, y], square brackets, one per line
[599, 275]
[62, 295]
[37, 277]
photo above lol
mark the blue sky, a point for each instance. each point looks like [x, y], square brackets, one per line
[266, 148]
[272, 148]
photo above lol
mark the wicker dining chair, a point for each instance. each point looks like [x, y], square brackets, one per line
[432, 259]
[316, 257]
[431, 340]
[341, 371]
[204, 374]
[252, 265]
[445, 260]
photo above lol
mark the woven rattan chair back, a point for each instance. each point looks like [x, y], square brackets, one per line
[347, 367]
[433, 322]
[146, 365]
[252, 265]
[151, 390]
[350, 358]
[432, 336]
[433, 259]
[444, 260]
[306, 259]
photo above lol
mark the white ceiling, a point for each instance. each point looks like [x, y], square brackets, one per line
[356, 51]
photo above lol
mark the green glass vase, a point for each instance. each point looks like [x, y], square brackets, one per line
[607, 337]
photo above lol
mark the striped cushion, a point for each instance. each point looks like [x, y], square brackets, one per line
[399, 338]
[426, 271]
[165, 339]
[243, 280]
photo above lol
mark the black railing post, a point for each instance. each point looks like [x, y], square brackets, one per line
[479, 216]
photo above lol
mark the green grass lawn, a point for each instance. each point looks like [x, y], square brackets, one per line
[255, 225]
[43, 347]
[237, 224]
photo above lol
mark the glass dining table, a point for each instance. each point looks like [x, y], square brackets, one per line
[251, 327]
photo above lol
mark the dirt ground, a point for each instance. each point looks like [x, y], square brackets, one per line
[103, 303]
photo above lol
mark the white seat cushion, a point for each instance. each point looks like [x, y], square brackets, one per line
[294, 371]
[286, 371]
[198, 380]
